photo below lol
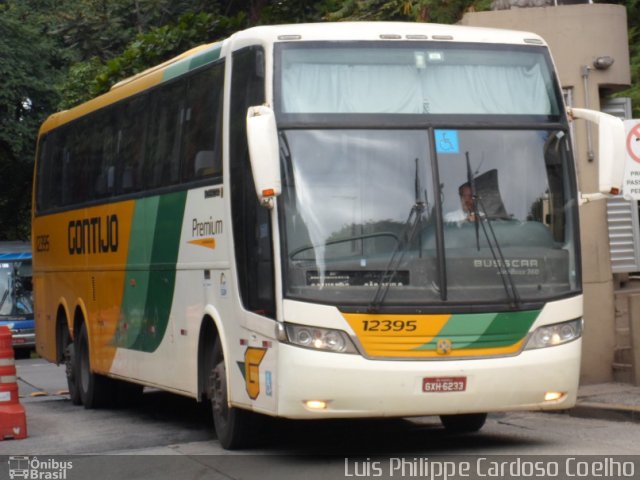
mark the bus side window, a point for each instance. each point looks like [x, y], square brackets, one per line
[77, 164]
[49, 187]
[162, 162]
[251, 226]
[130, 143]
[201, 141]
[105, 155]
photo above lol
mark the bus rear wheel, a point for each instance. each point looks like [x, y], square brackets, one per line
[95, 390]
[463, 423]
[71, 370]
[232, 424]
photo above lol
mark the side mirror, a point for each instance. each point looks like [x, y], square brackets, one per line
[611, 153]
[264, 152]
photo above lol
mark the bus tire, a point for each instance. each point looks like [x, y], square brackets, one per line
[71, 371]
[232, 425]
[95, 390]
[463, 423]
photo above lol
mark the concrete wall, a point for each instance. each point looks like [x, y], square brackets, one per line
[577, 35]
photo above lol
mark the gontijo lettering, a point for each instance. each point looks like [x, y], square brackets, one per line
[93, 235]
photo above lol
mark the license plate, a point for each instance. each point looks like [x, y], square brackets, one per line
[444, 384]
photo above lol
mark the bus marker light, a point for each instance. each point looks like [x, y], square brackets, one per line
[268, 192]
[553, 396]
[315, 404]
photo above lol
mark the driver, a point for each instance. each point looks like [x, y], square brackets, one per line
[465, 212]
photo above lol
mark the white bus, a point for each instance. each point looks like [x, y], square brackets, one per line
[320, 221]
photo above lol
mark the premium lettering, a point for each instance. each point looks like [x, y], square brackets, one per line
[206, 228]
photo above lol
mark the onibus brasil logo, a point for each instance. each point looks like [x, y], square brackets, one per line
[33, 469]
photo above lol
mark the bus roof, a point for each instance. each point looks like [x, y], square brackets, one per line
[385, 31]
[341, 31]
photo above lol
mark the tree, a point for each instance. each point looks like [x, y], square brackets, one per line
[437, 11]
[27, 96]
[157, 43]
[633, 25]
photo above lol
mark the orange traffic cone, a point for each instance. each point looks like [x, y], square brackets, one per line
[13, 421]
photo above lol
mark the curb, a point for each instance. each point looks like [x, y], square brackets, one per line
[606, 411]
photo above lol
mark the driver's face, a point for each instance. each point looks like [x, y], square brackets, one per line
[466, 199]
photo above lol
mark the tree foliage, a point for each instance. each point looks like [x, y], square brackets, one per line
[96, 75]
[633, 23]
[27, 96]
[161, 39]
[436, 11]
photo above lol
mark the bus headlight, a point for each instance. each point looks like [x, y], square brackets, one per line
[319, 338]
[556, 334]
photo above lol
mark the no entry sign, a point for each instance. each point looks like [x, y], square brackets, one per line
[631, 183]
[633, 142]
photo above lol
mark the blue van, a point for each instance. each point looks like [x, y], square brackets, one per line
[16, 299]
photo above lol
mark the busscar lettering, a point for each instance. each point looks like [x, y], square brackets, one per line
[509, 263]
[93, 235]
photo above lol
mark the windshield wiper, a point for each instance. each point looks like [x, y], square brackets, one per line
[498, 257]
[411, 227]
[474, 199]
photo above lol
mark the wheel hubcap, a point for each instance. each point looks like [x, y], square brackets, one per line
[219, 393]
[68, 359]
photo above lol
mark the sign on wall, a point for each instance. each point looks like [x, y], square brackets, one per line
[631, 182]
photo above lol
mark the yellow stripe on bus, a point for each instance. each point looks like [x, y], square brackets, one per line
[85, 262]
[400, 333]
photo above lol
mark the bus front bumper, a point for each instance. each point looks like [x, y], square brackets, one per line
[350, 386]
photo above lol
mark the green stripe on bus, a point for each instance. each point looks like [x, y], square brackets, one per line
[191, 63]
[506, 329]
[205, 57]
[164, 256]
[147, 300]
[176, 69]
[484, 330]
[136, 283]
[462, 330]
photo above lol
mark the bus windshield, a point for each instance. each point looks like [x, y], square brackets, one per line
[416, 78]
[468, 214]
[15, 289]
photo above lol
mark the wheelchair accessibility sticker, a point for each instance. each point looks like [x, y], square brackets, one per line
[447, 141]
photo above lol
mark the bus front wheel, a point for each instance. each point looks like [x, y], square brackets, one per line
[463, 423]
[232, 424]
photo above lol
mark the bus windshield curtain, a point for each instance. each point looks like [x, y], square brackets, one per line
[406, 89]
